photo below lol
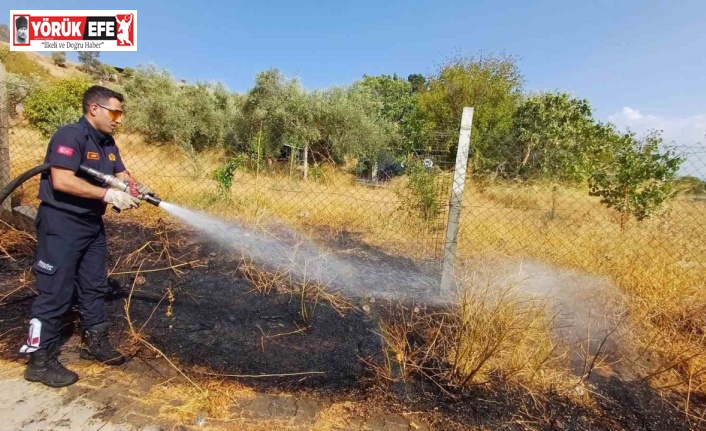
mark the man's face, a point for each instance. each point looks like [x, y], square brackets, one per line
[22, 32]
[107, 115]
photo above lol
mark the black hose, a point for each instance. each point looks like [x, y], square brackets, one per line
[24, 176]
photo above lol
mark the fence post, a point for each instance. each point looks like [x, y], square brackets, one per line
[4, 139]
[459, 182]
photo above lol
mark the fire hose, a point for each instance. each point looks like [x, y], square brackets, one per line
[106, 180]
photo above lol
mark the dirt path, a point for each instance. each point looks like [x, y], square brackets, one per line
[134, 397]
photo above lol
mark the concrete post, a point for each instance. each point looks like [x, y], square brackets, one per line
[456, 200]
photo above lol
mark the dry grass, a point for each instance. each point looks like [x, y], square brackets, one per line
[301, 279]
[488, 334]
[16, 243]
[660, 265]
[188, 403]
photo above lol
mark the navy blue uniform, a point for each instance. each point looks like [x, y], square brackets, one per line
[71, 242]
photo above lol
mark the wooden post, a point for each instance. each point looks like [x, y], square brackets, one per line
[4, 139]
[306, 162]
[455, 204]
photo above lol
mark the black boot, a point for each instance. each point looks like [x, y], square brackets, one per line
[95, 345]
[43, 366]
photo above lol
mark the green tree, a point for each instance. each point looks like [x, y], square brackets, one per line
[193, 116]
[334, 124]
[394, 95]
[349, 125]
[418, 82]
[209, 110]
[553, 135]
[155, 106]
[51, 107]
[90, 62]
[397, 104]
[492, 85]
[275, 112]
[59, 58]
[638, 179]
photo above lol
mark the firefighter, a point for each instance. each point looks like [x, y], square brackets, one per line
[71, 241]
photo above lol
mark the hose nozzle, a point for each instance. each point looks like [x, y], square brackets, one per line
[151, 198]
[114, 182]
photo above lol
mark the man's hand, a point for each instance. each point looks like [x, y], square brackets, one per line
[143, 188]
[121, 200]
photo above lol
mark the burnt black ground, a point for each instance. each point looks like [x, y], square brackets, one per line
[220, 325]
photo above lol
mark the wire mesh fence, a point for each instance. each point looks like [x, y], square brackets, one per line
[562, 224]
[399, 200]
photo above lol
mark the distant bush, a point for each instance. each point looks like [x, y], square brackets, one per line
[639, 178]
[59, 58]
[90, 62]
[21, 64]
[19, 88]
[691, 185]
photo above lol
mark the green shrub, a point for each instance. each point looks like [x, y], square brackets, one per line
[639, 179]
[316, 173]
[51, 107]
[420, 192]
[225, 172]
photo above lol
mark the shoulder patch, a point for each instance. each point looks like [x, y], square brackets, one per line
[111, 156]
[66, 151]
[92, 156]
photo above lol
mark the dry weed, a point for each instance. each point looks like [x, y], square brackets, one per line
[487, 335]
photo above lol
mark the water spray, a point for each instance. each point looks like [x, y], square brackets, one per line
[296, 255]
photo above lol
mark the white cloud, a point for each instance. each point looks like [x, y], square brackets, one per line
[683, 131]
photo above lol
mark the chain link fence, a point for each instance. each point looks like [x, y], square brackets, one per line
[397, 202]
[400, 201]
[562, 225]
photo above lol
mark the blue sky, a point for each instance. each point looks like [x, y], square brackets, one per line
[642, 64]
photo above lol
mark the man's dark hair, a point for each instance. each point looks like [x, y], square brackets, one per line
[98, 94]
